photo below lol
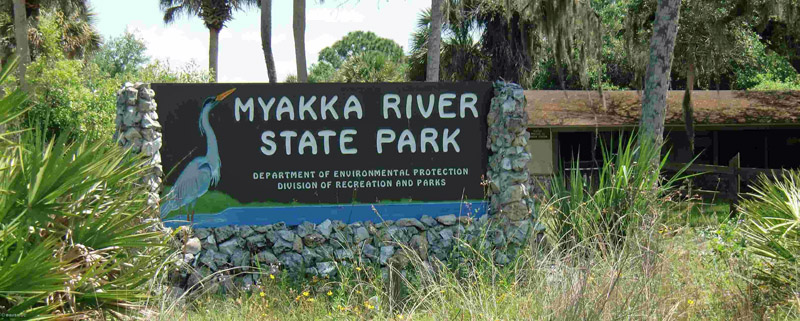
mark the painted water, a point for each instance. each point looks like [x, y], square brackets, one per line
[347, 213]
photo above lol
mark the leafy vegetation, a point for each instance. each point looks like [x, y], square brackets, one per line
[75, 241]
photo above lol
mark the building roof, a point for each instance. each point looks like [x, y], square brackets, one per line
[556, 108]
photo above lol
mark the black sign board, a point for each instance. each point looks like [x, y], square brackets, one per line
[327, 143]
[539, 133]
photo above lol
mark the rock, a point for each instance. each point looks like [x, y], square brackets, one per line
[447, 238]
[245, 231]
[428, 221]
[310, 256]
[286, 235]
[370, 252]
[292, 261]
[223, 233]
[207, 259]
[411, 222]
[497, 237]
[397, 234]
[220, 259]
[326, 269]
[325, 228]
[188, 258]
[313, 239]
[256, 241]
[261, 228]
[192, 246]
[281, 245]
[447, 220]
[305, 228]
[519, 234]
[210, 243]
[501, 258]
[361, 234]
[229, 246]
[267, 257]
[386, 253]
[420, 245]
[201, 233]
[325, 251]
[343, 254]
[465, 220]
[240, 258]
[297, 245]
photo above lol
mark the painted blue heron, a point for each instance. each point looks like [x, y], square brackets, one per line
[202, 172]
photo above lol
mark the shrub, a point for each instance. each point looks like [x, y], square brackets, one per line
[772, 231]
[74, 240]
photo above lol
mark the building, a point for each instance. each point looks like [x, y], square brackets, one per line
[763, 127]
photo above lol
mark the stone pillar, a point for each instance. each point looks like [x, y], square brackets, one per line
[509, 184]
[138, 129]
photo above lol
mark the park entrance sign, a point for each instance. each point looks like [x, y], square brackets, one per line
[249, 149]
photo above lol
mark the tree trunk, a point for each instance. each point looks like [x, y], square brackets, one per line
[688, 108]
[434, 42]
[21, 35]
[213, 53]
[299, 26]
[266, 38]
[657, 76]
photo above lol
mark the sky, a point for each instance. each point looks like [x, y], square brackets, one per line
[241, 58]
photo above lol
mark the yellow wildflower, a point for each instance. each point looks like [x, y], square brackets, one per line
[358, 268]
[690, 302]
[305, 293]
[330, 293]
[271, 277]
[262, 294]
[400, 317]
[311, 300]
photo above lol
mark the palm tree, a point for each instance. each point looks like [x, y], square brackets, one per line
[299, 28]
[215, 13]
[266, 38]
[21, 35]
[435, 42]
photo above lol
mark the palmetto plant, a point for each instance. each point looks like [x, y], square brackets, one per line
[772, 230]
[75, 238]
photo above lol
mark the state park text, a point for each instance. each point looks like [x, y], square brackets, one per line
[393, 106]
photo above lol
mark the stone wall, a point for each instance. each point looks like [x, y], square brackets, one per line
[317, 249]
[138, 128]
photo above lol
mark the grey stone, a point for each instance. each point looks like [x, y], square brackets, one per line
[291, 260]
[361, 234]
[420, 245]
[310, 256]
[326, 268]
[312, 271]
[192, 246]
[281, 245]
[398, 234]
[343, 254]
[325, 251]
[223, 233]
[447, 220]
[245, 231]
[497, 237]
[286, 235]
[313, 239]
[305, 228]
[447, 237]
[261, 228]
[501, 258]
[240, 258]
[256, 241]
[386, 253]
[325, 228]
[229, 246]
[220, 259]
[411, 222]
[201, 233]
[207, 259]
[369, 251]
[266, 256]
[519, 234]
[429, 221]
[210, 243]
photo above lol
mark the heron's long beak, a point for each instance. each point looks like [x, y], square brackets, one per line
[222, 96]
